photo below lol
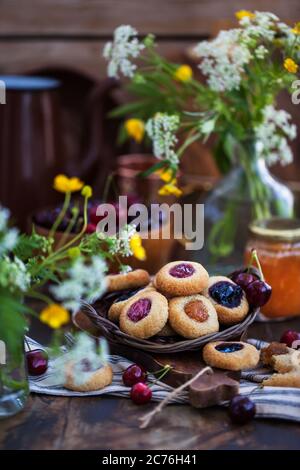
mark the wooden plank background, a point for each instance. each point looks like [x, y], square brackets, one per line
[163, 17]
[71, 33]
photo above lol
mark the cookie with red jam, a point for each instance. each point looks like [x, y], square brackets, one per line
[130, 280]
[144, 315]
[231, 355]
[228, 298]
[116, 308]
[181, 278]
[193, 316]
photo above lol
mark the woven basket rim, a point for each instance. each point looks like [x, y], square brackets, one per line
[113, 333]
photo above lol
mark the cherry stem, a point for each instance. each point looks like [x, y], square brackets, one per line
[147, 418]
[255, 258]
[162, 373]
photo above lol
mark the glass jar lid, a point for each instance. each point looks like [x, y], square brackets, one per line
[277, 229]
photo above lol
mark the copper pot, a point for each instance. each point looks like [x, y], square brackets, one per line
[130, 183]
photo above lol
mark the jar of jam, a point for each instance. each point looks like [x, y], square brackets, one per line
[277, 242]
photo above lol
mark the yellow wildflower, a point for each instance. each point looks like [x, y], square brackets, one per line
[87, 191]
[135, 128]
[184, 73]
[170, 189]
[290, 65]
[165, 174]
[136, 247]
[55, 316]
[244, 14]
[296, 28]
[63, 184]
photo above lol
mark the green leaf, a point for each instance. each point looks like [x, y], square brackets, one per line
[12, 324]
[152, 169]
[208, 126]
[127, 109]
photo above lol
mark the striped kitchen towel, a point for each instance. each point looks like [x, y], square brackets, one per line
[271, 402]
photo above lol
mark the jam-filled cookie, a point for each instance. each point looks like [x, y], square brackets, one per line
[81, 377]
[115, 309]
[228, 298]
[130, 280]
[230, 355]
[193, 316]
[144, 315]
[181, 278]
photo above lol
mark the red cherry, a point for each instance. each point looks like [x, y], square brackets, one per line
[140, 393]
[134, 374]
[241, 409]
[37, 361]
[243, 279]
[258, 293]
[289, 337]
[91, 228]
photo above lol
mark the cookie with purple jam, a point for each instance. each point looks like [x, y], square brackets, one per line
[144, 315]
[181, 278]
[193, 316]
[130, 280]
[116, 308]
[230, 355]
[228, 298]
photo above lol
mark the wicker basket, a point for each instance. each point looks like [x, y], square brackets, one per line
[98, 316]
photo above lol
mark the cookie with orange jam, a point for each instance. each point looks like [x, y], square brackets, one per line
[193, 316]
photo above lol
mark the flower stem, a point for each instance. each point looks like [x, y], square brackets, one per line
[61, 215]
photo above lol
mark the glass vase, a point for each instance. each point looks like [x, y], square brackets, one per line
[248, 192]
[14, 388]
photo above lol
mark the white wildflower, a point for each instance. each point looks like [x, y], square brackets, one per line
[8, 236]
[161, 129]
[120, 242]
[262, 26]
[223, 60]
[273, 135]
[9, 240]
[84, 282]
[261, 52]
[119, 53]
[4, 216]
[14, 275]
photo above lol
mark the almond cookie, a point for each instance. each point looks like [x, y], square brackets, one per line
[193, 316]
[80, 377]
[144, 315]
[130, 280]
[115, 309]
[278, 356]
[230, 355]
[290, 379]
[228, 298]
[181, 278]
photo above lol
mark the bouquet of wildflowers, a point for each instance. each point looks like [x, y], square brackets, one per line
[243, 71]
[32, 267]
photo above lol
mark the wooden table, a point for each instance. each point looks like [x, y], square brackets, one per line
[112, 423]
